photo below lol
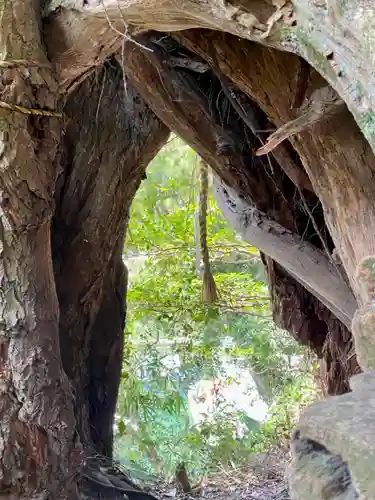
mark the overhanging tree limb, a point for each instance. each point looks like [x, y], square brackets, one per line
[304, 262]
[80, 37]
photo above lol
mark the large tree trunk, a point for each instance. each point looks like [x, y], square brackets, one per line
[39, 448]
[318, 187]
[52, 403]
[110, 138]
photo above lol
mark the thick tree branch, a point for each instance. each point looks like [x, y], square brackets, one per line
[304, 262]
[332, 43]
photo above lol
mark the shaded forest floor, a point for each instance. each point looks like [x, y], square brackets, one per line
[262, 479]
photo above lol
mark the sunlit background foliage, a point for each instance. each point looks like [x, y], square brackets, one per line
[173, 341]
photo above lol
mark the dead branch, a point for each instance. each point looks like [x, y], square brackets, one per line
[303, 261]
[323, 103]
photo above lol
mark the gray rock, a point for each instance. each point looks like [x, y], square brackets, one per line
[315, 474]
[334, 446]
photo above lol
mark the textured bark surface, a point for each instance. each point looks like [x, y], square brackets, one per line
[110, 138]
[39, 449]
[318, 186]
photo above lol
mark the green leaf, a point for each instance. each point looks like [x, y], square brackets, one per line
[121, 427]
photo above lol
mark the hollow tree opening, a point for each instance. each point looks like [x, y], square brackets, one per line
[176, 341]
[329, 165]
[264, 183]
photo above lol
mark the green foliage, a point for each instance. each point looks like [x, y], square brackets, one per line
[173, 340]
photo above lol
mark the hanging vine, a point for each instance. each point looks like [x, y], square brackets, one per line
[209, 290]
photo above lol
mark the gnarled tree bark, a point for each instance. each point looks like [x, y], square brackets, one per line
[39, 447]
[102, 161]
[325, 173]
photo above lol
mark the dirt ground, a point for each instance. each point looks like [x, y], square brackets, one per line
[262, 479]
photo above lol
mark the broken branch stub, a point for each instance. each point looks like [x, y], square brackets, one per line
[323, 103]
